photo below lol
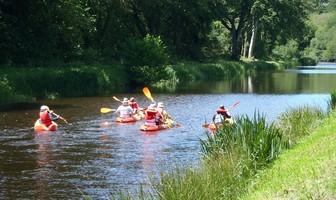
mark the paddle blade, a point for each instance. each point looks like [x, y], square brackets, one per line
[178, 125]
[146, 91]
[115, 98]
[106, 110]
[205, 125]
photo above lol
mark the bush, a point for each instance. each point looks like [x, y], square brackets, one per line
[307, 61]
[145, 59]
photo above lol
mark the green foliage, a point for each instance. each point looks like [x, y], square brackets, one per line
[332, 103]
[59, 82]
[307, 61]
[218, 42]
[221, 70]
[259, 142]
[299, 122]
[323, 46]
[145, 59]
[304, 172]
[286, 52]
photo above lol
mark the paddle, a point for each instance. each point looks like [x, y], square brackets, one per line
[234, 105]
[107, 110]
[147, 93]
[60, 117]
[115, 98]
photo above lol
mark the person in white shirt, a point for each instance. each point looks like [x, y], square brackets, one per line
[124, 110]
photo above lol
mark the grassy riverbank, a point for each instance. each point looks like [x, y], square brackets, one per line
[292, 158]
[33, 83]
[304, 172]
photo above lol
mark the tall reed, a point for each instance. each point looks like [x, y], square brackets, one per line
[259, 141]
[298, 122]
[332, 103]
[232, 156]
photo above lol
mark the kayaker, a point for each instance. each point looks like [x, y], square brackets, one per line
[221, 115]
[124, 110]
[162, 113]
[151, 115]
[135, 106]
[47, 116]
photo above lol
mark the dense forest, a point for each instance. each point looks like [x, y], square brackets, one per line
[51, 49]
[42, 32]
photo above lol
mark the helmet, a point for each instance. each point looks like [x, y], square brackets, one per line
[44, 108]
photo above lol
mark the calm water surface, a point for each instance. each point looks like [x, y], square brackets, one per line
[95, 156]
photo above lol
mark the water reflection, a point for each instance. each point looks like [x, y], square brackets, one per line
[276, 82]
[43, 171]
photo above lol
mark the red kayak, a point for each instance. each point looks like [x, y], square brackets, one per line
[41, 127]
[163, 126]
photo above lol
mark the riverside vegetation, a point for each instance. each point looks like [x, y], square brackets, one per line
[30, 84]
[291, 158]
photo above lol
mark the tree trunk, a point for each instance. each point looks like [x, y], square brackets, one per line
[253, 37]
[234, 44]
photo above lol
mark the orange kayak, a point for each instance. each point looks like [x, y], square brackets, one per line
[41, 127]
[126, 120]
[168, 124]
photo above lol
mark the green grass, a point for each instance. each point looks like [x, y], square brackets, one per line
[246, 161]
[305, 172]
[299, 122]
[19, 84]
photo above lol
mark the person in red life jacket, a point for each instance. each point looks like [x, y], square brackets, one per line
[151, 116]
[163, 115]
[47, 116]
[221, 115]
[124, 110]
[135, 106]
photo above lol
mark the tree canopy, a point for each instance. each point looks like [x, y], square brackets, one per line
[36, 32]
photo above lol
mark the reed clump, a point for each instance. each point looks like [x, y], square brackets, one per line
[235, 155]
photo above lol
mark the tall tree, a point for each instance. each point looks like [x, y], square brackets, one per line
[280, 19]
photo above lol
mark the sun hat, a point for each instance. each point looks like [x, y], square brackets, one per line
[44, 108]
[152, 107]
[132, 99]
[160, 105]
[222, 107]
[125, 101]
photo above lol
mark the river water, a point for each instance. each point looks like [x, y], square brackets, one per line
[94, 156]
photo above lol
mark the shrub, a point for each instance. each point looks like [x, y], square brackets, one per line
[145, 59]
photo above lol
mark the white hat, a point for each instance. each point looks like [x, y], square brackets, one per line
[44, 108]
[125, 101]
[160, 105]
[152, 107]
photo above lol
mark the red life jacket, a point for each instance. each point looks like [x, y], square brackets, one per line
[133, 104]
[45, 119]
[150, 114]
[221, 111]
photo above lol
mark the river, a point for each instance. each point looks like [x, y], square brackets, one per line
[94, 156]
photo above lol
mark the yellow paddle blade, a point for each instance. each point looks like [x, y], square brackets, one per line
[106, 110]
[115, 98]
[146, 91]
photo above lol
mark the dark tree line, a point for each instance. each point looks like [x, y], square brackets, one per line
[36, 32]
